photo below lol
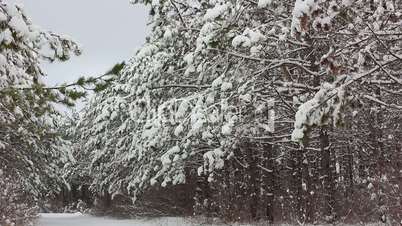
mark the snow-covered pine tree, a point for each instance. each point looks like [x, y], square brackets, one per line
[199, 97]
[29, 145]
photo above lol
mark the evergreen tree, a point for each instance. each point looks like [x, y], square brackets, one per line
[267, 102]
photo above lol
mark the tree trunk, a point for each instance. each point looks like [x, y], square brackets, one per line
[349, 193]
[268, 182]
[327, 175]
[253, 179]
[300, 184]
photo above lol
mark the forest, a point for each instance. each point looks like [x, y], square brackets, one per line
[275, 111]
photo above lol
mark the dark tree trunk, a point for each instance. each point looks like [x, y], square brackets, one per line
[203, 197]
[380, 157]
[268, 182]
[107, 200]
[350, 191]
[307, 186]
[253, 174]
[327, 175]
[300, 186]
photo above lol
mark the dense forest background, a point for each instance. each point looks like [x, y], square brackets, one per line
[242, 110]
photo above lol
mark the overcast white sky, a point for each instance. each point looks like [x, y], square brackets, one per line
[109, 31]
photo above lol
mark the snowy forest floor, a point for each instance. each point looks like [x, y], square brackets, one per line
[86, 220]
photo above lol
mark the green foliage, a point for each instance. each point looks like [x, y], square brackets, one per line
[116, 69]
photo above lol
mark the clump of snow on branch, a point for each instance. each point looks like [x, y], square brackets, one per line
[325, 107]
[248, 38]
[216, 11]
[264, 3]
[301, 13]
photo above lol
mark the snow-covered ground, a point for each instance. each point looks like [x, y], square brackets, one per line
[85, 220]
[63, 219]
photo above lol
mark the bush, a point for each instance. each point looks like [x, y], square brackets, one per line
[16, 208]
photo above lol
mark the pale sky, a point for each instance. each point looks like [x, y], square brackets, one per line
[109, 31]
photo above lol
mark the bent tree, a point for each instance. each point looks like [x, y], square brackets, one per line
[30, 149]
[195, 106]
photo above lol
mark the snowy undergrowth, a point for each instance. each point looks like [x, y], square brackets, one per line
[86, 220]
[78, 219]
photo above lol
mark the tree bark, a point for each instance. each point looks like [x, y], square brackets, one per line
[253, 179]
[268, 181]
[327, 175]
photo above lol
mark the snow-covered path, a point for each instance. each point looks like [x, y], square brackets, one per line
[85, 220]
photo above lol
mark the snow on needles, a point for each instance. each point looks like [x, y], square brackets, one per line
[316, 111]
[248, 38]
[216, 11]
[264, 3]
